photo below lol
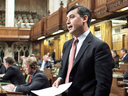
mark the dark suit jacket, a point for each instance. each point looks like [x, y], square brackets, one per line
[39, 81]
[2, 69]
[92, 69]
[39, 63]
[14, 75]
[48, 65]
[125, 59]
[53, 55]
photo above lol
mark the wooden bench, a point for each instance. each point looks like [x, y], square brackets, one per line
[115, 81]
[118, 91]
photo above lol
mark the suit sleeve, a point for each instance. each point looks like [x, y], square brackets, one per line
[36, 83]
[126, 74]
[10, 73]
[103, 70]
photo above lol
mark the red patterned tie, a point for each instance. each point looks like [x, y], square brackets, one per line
[30, 79]
[71, 60]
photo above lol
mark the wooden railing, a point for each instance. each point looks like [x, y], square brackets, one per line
[54, 21]
[37, 30]
[57, 20]
[14, 34]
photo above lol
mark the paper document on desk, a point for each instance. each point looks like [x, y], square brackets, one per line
[52, 91]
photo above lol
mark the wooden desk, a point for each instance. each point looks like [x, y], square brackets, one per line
[115, 81]
[13, 94]
[122, 83]
[123, 66]
[118, 70]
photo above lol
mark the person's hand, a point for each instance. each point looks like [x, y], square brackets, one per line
[10, 87]
[57, 83]
[2, 75]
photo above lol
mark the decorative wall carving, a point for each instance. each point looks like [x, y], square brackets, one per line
[117, 4]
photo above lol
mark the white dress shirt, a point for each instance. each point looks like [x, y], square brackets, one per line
[42, 66]
[81, 39]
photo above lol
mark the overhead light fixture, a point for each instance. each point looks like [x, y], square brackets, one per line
[119, 21]
[58, 32]
[93, 20]
[41, 38]
[123, 9]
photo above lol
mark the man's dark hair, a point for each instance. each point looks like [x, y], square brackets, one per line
[114, 51]
[82, 10]
[124, 50]
[10, 60]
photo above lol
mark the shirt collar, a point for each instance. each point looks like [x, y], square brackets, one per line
[82, 37]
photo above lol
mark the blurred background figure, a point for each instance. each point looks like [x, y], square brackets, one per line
[21, 59]
[13, 72]
[45, 63]
[0, 62]
[3, 69]
[116, 58]
[53, 55]
[39, 61]
[124, 55]
[49, 57]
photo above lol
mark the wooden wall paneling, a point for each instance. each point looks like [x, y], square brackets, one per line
[64, 15]
[8, 32]
[37, 45]
[31, 34]
[44, 26]
[99, 3]
[117, 43]
[114, 5]
[54, 21]
[37, 30]
[72, 3]
[101, 9]
[90, 4]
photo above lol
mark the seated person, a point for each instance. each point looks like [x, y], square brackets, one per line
[39, 61]
[2, 70]
[0, 62]
[116, 58]
[45, 63]
[124, 55]
[37, 80]
[13, 72]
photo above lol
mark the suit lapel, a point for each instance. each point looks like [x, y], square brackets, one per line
[83, 48]
[67, 52]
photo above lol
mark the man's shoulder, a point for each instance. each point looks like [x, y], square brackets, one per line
[39, 74]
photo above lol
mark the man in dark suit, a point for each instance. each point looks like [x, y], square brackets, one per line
[116, 58]
[53, 55]
[91, 72]
[13, 72]
[37, 81]
[124, 55]
[45, 63]
[3, 69]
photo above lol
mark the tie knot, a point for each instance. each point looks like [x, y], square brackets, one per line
[75, 40]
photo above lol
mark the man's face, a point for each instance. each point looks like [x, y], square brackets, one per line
[113, 54]
[46, 59]
[27, 69]
[5, 64]
[74, 22]
[122, 53]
